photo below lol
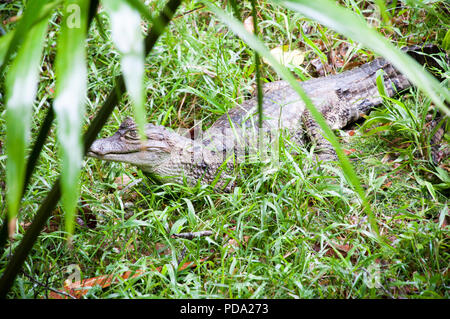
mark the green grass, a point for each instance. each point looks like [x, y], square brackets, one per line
[295, 232]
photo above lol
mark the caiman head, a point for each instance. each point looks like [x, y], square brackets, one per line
[164, 155]
[159, 154]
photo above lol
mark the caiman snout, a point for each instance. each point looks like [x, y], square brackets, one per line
[97, 149]
[109, 145]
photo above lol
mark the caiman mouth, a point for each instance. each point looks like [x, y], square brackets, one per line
[91, 154]
[111, 148]
[132, 157]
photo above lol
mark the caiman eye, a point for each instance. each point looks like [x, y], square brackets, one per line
[132, 135]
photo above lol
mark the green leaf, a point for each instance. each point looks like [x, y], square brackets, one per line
[21, 87]
[71, 77]
[31, 14]
[380, 83]
[446, 41]
[346, 22]
[377, 130]
[286, 75]
[127, 37]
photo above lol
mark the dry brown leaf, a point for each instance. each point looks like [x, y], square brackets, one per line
[342, 248]
[348, 152]
[290, 252]
[25, 226]
[12, 227]
[11, 20]
[79, 288]
[330, 252]
[387, 185]
[122, 181]
[233, 243]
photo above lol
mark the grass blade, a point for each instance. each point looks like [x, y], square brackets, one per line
[446, 41]
[314, 47]
[258, 74]
[71, 78]
[21, 86]
[127, 36]
[353, 26]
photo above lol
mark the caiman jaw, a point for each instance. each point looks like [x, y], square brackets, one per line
[130, 154]
[108, 156]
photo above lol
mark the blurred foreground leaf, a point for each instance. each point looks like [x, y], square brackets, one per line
[29, 17]
[21, 86]
[128, 39]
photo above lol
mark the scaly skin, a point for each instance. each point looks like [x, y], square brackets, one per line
[211, 157]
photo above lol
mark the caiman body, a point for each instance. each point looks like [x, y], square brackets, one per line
[341, 98]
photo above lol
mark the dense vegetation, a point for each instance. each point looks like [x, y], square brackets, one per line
[291, 232]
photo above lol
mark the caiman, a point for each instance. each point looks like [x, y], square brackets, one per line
[210, 159]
